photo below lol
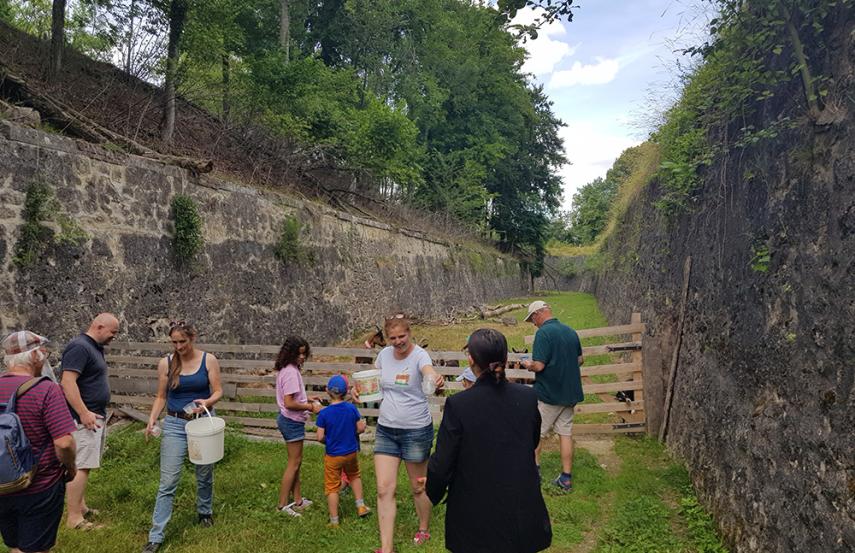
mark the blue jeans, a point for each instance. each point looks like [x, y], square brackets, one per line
[173, 449]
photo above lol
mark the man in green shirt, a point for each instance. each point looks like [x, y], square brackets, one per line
[555, 361]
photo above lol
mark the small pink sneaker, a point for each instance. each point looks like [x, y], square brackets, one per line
[421, 537]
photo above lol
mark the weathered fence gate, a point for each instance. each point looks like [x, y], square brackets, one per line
[249, 397]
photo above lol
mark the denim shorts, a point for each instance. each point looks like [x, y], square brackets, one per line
[410, 444]
[291, 430]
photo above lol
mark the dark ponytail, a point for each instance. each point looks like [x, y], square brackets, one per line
[489, 351]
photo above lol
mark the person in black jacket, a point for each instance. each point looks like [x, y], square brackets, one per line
[484, 457]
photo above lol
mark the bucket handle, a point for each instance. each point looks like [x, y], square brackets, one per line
[210, 418]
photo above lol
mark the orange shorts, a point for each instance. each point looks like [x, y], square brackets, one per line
[334, 465]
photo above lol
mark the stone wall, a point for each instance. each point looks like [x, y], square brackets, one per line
[237, 290]
[764, 402]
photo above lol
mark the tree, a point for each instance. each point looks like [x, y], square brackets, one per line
[57, 38]
[177, 18]
[285, 28]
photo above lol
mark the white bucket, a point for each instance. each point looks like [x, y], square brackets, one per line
[205, 439]
[368, 385]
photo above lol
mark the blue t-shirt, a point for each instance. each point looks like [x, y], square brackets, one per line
[85, 356]
[339, 423]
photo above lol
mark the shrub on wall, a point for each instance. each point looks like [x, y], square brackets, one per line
[40, 205]
[289, 248]
[188, 239]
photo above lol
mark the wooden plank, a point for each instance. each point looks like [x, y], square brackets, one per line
[224, 376]
[133, 413]
[633, 328]
[618, 428]
[635, 356]
[675, 356]
[611, 407]
[612, 387]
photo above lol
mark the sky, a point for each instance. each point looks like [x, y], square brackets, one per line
[600, 69]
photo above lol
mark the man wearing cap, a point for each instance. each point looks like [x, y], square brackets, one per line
[87, 390]
[556, 358]
[467, 377]
[29, 518]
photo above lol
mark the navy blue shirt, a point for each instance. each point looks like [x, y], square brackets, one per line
[190, 386]
[85, 356]
[339, 423]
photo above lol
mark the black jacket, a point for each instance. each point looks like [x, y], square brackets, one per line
[485, 458]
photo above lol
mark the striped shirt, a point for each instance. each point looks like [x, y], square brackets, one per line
[45, 418]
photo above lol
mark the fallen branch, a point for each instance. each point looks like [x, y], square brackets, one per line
[488, 313]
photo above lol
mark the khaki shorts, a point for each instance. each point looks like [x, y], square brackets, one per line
[333, 467]
[555, 417]
[90, 445]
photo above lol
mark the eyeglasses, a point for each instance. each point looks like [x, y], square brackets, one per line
[176, 324]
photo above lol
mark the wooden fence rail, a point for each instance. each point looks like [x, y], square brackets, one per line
[248, 378]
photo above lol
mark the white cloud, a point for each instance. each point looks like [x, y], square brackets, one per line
[602, 72]
[591, 152]
[546, 51]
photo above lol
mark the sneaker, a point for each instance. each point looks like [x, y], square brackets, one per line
[565, 484]
[206, 521]
[302, 505]
[421, 537]
[151, 547]
[363, 510]
[289, 510]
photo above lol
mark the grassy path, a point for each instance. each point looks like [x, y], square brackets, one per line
[630, 496]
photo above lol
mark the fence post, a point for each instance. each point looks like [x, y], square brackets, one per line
[636, 357]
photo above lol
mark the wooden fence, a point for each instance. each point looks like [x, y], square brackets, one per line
[249, 396]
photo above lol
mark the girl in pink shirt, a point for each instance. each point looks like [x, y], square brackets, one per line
[294, 408]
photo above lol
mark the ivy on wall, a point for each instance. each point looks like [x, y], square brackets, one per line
[188, 239]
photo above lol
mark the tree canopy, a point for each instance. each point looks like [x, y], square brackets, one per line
[424, 100]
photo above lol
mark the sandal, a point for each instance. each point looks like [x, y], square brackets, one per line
[91, 513]
[421, 537]
[85, 526]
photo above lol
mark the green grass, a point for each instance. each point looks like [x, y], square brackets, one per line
[628, 512]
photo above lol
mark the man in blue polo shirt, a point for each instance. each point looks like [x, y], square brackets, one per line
[556, 359]
[87, 389]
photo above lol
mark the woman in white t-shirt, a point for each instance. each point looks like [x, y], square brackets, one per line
[404, 429]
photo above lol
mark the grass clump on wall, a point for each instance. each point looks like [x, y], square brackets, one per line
[289, 248]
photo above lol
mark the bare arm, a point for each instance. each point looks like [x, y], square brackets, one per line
[294, 405]
[160, 399]
[65, 452]
[533, 366]
[72, 395]
[429, 372]
[321, 435]
[215, 381]
[360, 426]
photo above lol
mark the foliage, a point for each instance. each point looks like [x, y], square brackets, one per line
[289, 248]
[761, 256]
[35, 236]
[188, 239]
[423, 101]
[759, 55]
[40, 206]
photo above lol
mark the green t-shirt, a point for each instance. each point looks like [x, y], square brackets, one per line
[557, 346]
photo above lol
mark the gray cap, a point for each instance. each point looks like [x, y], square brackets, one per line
[466, 375]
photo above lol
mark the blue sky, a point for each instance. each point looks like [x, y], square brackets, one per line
[600, 69]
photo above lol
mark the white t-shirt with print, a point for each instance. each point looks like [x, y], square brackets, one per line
[404, 405]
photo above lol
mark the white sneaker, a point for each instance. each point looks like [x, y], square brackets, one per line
[305, 504]
[289, 510]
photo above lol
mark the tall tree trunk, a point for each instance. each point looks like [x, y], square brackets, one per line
[285, 28]
[177, 17]
[226, 97]
[130, 54]
[57, 38]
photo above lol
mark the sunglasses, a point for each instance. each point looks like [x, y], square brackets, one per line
[177, 324]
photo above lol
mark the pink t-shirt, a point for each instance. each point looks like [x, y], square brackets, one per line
[289, 381]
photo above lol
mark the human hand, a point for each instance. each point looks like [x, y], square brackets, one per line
[89, 420]
[439, 381]
[354, 393]
[201, 405]
[421, 482]
[69, 473]
[316, 407]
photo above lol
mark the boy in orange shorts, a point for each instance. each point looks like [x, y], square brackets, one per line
[339, 426]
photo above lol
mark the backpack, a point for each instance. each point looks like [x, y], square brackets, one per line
[18, 464]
